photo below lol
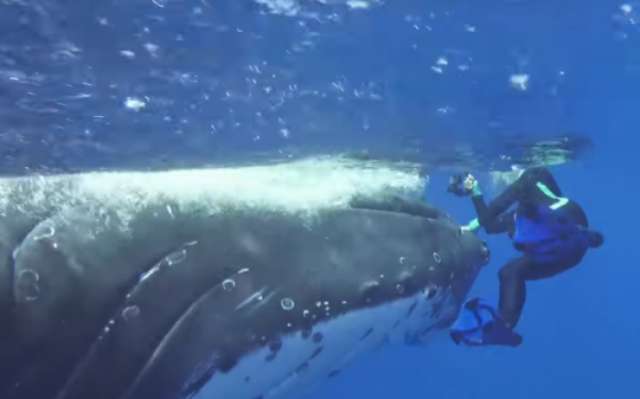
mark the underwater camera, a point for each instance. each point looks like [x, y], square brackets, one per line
[456, 185]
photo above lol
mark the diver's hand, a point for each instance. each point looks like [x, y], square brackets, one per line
[469, 182]
[471, 185]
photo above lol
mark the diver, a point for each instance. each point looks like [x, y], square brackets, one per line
[550, 231]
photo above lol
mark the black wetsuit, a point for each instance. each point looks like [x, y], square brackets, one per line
[496, 218]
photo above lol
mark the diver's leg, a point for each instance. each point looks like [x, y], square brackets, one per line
[539, 271]
[513, 290]
[513, 277]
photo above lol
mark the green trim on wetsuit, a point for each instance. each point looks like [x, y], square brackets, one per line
[472, 225]
[560, 201]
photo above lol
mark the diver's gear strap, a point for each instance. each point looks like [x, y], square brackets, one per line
[560, 201]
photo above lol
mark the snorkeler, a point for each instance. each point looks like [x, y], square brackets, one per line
[551, 232]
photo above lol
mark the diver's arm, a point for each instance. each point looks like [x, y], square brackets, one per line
[504, 223]
[492, 217]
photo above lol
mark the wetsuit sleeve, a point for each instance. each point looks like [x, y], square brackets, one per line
[523, 190]
[501, 223]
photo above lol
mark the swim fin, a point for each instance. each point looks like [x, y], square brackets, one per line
[479, 324]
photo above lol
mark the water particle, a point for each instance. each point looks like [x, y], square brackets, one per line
[626, 8]
[170, 211]
[318, 304]
[305, 313]
[152, 49]
[287, 304]
[130, 312]
[400, 288]
[134, 103]
[244, 270]
[228, 284]
[128, 54]
[358, 4]
[442, 61]
[401, 260]
[519, 81]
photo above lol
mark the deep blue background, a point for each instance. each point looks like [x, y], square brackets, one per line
[581, 328]
[63, 85]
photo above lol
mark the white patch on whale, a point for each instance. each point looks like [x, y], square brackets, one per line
[299, 365]
[303, 187]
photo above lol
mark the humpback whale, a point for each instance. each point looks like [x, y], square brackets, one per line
[232, 283]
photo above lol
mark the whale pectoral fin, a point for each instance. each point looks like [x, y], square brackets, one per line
[210, 326]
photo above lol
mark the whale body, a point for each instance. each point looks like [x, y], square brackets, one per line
[231, 283]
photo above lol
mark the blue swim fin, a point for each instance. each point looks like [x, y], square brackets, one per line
[480, 324]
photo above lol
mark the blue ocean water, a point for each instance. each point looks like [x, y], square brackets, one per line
[456, 85]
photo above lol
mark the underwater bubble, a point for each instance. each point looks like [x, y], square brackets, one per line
[437, 258]
[130, 312]
[287, 303]
[134, 103]
[519, 81]
[28, 286]
[228, 284]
